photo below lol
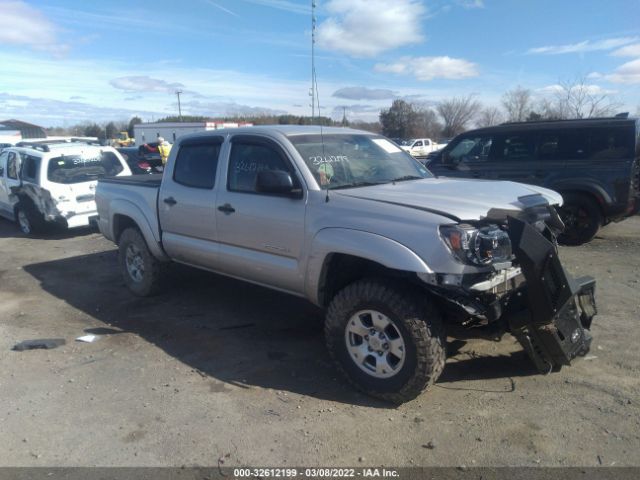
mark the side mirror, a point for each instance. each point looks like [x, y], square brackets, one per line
[276, 181]
[448, 160]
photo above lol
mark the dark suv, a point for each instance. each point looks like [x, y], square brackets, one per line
[593, 163]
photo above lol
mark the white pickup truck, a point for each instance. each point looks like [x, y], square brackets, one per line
[348, 221]
[420, 147]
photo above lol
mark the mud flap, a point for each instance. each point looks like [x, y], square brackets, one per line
[553, 321]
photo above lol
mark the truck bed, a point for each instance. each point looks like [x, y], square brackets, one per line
[136, 194]
[141, 180]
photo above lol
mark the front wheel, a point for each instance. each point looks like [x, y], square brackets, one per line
[582, 218]
[141, 271]
[388, 341]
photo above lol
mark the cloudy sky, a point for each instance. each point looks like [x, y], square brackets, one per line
[65, 61]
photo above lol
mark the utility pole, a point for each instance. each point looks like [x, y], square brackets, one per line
[312, 92]
[178, 92]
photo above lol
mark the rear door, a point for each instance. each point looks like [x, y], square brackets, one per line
[186, 203]
[513, 157]
[261, 235]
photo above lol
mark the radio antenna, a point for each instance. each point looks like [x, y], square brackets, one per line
[312, 91]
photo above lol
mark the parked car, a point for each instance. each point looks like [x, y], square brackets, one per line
[420, 147]
[43, 184]
[594, 164]
[140, 163]
[348, 221]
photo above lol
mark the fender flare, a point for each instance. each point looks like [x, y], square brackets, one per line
[128, 209]
[358, 243]
[586, 186]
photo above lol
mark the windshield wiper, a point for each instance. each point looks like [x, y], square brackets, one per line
[406, 177]
[357, 184]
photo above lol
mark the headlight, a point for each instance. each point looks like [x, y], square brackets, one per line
[482, 246]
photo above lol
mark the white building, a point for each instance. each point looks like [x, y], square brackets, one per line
[171, 131]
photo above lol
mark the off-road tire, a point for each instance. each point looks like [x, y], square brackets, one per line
[35, 219]
[151, 282]
[416, 318]
[589, 219]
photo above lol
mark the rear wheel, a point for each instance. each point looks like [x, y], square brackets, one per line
[582, 218]
[386, 340]
[28, 219]
[141, 272]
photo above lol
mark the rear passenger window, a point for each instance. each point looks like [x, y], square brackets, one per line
[30, 168]
[548, 146]
[249, 159]
[611, 143]
[196, 165]
[573, 144]
[516, 148]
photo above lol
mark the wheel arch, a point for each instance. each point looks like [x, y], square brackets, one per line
[595, 191]
[126, 215]
[340, 256]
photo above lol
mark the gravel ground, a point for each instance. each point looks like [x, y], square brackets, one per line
[218, 370]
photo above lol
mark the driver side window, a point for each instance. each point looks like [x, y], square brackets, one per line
[247, 159]
[472, 149]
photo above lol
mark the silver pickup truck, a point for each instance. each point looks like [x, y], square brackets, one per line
[347, 220]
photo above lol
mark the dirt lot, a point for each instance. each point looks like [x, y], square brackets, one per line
[216, 369]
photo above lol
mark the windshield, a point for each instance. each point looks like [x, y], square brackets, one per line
[83, 168]
[352, 160]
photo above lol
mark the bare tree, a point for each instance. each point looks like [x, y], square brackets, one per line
[517, 103]
[427, 122]
[457, 113]
[489, 116]
[579, 99]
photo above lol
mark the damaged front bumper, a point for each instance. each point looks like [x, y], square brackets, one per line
[552, 313]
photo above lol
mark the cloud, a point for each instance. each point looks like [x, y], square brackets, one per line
[590, 89]
[365, 28]
[227, 109]
[360, 112]
[628, 51]
[286, 5]
[47, 111]
[582, 47]
[364, 93]
[471, 3]
[429, 68]
[628, 73]
[21, 24]
[144, 83]
[220, 7]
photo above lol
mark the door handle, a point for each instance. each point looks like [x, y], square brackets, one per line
[226, 208]
[170, 201]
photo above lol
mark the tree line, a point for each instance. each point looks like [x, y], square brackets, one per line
[450, 117]
[403, 119]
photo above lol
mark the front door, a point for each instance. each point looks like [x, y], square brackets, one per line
[186, 203]
[9, 168]
[261, 235]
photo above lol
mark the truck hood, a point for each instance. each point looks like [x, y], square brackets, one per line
[459, 199]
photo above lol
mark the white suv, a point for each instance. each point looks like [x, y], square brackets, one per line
[54, 183]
